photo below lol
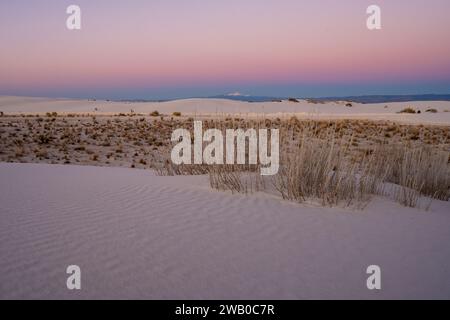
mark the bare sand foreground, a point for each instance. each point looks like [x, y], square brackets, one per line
[137, 235]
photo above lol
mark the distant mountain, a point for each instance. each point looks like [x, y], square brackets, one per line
[358, 99]
[389, 98]
[239, 97]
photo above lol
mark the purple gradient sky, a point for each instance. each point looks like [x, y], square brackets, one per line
[179, 48]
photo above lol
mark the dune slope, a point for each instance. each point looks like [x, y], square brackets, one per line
[215, 107]
[137, 235]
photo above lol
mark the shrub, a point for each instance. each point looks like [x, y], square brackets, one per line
[154, 113]
[293, 100]
[408, 110]
[176, 114]
[44, 139]
[431, 110]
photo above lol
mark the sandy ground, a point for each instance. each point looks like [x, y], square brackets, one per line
[137, 235]
[213, 107]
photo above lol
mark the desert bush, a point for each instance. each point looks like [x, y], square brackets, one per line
[176, 114]
[293, 100]
[44, 139]
[154, 113]
[431, 110]
[408, 110]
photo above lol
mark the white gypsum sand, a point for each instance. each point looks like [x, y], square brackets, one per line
[215, 107]
[137, 235]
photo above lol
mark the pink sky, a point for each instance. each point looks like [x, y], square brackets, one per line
[226, 44]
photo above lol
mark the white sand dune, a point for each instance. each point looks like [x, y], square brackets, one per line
[137, 235]
[330, 110]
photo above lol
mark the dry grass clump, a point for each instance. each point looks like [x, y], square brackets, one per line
[318, 163]
[321, 170]
[314, 170]
[420, 171]
[236, 178]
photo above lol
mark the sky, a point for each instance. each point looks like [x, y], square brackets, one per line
[163, 49]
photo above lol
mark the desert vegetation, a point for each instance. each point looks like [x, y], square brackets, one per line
[408, 110]
[123, 140]
[339, 162]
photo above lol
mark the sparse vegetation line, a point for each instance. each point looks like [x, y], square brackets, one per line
[334, 162]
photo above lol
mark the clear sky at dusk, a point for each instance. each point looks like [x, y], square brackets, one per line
[159, 49]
